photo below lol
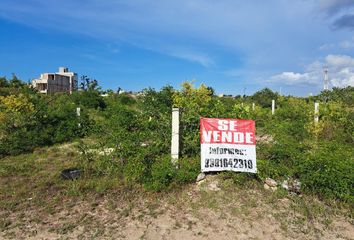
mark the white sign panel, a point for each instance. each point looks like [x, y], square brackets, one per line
[228, 144]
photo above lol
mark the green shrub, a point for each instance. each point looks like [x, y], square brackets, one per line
[188, 169]
[89, 99]
[29, 120]
[138, 128]
[162, 174]
[337, 123]
[270, 169]
[328, 171]
[264, 97]
[135, 170]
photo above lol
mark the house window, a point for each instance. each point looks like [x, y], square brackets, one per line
[42, 86]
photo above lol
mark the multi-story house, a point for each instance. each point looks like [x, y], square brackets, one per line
[62, 81]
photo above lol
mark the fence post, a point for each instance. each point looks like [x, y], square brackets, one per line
[253, 106]
[78, 116]
[273, 107]
[317, 106]
[175, 135]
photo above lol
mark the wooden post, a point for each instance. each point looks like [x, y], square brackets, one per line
[253, 106]
[317, 106]
[273, 107]
[175, 135]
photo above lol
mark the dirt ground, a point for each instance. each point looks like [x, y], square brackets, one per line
[215, 209]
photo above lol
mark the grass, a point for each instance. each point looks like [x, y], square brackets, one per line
[31, 179]
[31, 191]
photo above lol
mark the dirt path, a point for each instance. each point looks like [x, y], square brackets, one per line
[214, 210]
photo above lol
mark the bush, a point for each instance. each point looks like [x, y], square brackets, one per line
[31, 120]
[328, 171]
[138, 128]
[89, 99]
[188, 169]
[264, 97]
[162, 174]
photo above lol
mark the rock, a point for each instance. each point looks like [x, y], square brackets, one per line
[70, 173]
[292, 185]
[270, 182]
[201, 176]
[292, 194]
[266, 186]
[106, 151]
[284, 200]
[285, 185]
[207, 183]
[265, 139]
[201, 182]
[213, 186]
[297, 184]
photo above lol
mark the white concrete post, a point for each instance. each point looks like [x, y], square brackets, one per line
[317, 106]
[175, 135]
[273, 107]
[78, 116]
[253, 106]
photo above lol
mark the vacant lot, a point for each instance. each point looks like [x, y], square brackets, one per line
[36, 204]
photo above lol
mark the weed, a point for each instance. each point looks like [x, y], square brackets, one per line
[66, 228]
[4, 224]
[177, 225]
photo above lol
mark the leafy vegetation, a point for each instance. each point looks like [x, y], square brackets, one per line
[127, 136]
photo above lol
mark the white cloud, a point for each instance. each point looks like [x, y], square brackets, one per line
[235, 27]
[327, 46]
[340, 73]
[345, 77]
[333, 6]
[236, 72]
[291, 78]
[338, 12]
[255, 35]
[347, 44]
[193, 57]
[339, 61]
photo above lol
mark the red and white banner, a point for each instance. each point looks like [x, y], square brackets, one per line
[228, 144]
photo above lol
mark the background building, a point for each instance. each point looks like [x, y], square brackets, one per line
[62, 81]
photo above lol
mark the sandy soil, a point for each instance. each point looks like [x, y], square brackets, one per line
[211, 210]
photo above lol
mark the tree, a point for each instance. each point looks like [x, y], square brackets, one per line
[264, 97]
[211, 90]
[88, 83]
[15, 82]
[345, 95]
[3, 82]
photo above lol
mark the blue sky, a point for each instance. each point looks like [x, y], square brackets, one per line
[230, 45]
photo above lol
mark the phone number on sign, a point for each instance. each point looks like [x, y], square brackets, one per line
[228, 163]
